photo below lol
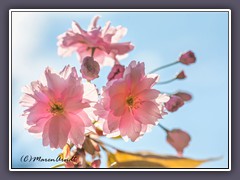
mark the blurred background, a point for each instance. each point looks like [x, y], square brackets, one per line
[159, 38]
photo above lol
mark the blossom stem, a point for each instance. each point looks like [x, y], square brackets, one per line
[161, 126]
[166, 82]
[103, 143]
[162, 67]
[58, 165]
[93, 50]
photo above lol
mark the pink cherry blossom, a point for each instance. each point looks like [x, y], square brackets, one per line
[116, 72]
[178, 139]
[90, 68]
[187, 58]
[57, 106]
[174, 103]
[104, 41]
[185, 96]
[129, 106]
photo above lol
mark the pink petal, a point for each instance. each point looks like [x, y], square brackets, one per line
[129, 127]
[27, 100]
[77, 29]
[75, 106]
[145, 83]
[93, 24]
[147, 113]
[121, 48]
[57, 130]
[120, 33]
[118, 88]
[37, 112]
[39, 125]
[149, 94]
[90, 92]
[54, 82]
[117, 105]
[113, 122]
[76, 134]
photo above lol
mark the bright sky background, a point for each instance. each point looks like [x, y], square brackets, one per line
[159, 38]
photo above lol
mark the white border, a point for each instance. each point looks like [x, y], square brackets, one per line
[120, 10]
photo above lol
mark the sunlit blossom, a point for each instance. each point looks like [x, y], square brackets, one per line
[129, 105]
[57, 107]
[103, 41]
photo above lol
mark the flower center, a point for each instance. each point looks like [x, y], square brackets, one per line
[56, 108]
[130, 101]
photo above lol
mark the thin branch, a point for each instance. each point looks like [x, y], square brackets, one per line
[162, 67]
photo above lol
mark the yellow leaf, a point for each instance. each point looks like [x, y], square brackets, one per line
[122, 159]
[117, 137]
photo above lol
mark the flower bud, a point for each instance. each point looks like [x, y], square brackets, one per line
[181, 75]
[187, 58]
[116, 72]
[185, 96]
[178, 139]
[174, 103]
[96, 163]
[90, 68]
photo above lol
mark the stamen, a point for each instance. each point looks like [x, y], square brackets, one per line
[130, 101]
[133, 102]
[56, 108]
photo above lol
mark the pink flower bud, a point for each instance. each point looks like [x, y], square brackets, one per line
[181, 75]
[187, 58]
[178, 139]
[96, 163]
[185, 96]
[78, 160]
[174, 103]
[116, 72]
[90, 68]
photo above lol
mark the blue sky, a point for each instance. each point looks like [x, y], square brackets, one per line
[159, 38]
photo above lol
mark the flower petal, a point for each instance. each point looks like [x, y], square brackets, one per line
[57, 130]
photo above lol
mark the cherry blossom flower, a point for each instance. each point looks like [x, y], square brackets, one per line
[187, 58]
[174, 103]
[178, 139]
[103, 41]
[129, 106]
[57, 107]
[116, 72]
[185, 96]
[90, 68]
[181, 75]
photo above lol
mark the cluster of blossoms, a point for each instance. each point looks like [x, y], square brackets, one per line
[67, 110]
